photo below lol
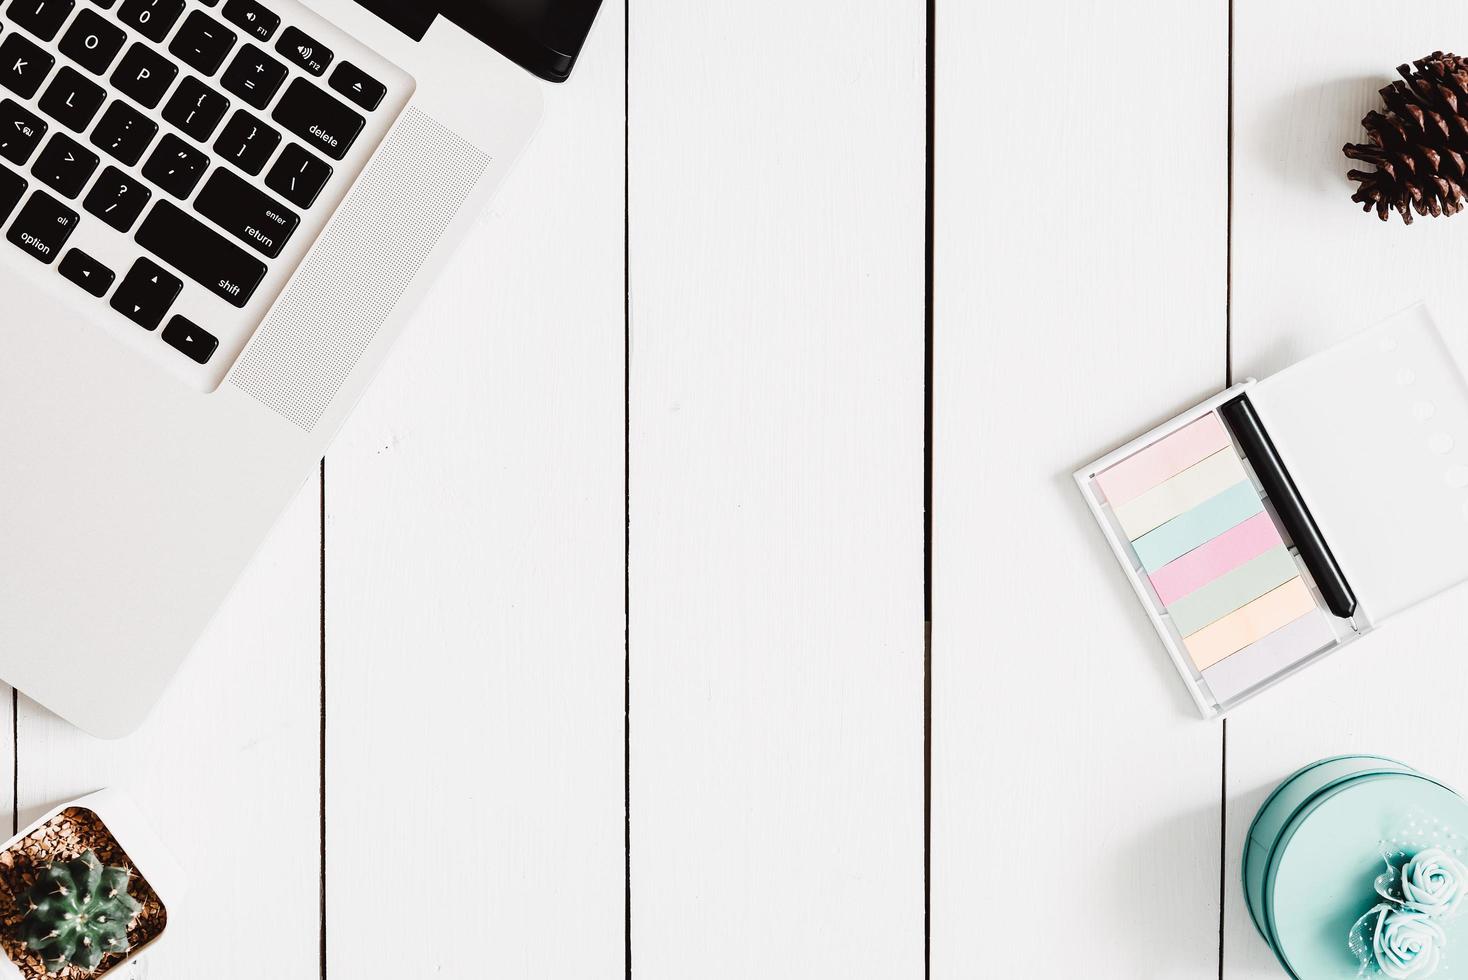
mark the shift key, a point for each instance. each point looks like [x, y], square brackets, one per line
[324, 122]
[252, 216]
[201, 253]
[12, 189]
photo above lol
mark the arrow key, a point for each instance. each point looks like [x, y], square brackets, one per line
[20, 132]
[146, 294]
[87, 272]
[190, 339]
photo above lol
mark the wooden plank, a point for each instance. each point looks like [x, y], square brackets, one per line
[1080, 259]
[9, 719]
[1310, 269]
[475, 569]
[227, 768]
[777, 454]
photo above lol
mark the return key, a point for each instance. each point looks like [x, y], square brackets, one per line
[252, 216]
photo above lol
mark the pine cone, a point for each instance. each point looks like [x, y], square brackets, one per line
[1419, 144]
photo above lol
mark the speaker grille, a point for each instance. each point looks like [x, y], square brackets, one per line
[350, 283]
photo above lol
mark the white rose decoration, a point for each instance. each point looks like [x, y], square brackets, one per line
[1407, 944]
[1433, 883]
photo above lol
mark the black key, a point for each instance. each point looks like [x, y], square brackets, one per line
[42, 227]
[146, 293]
[200, 253]
[65, 165]
[195, 109]
[298, 176]
[175, 166]
[144, 75]
[202, 42]
[124, 132]
[23, 66]
[318, 119]
[254, 76]
[92, 41]
[20, 132]
[189, 338]
[251, 18]
[247, 143]
[12, 187]
[252, 216]
[86, 272]
[358, 86]
[304, 50]
[117, 199]
[72, 100]
[43, 18]
[151, 18]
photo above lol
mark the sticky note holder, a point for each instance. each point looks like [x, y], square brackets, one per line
[1373, 434]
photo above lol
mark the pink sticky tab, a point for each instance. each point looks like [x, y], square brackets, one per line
[1163, 460]
[1224, 553]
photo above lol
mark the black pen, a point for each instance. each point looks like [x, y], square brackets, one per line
[1293, 514]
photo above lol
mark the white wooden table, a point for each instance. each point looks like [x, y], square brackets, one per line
[613, 590]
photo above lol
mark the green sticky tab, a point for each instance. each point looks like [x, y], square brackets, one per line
[1233, 590]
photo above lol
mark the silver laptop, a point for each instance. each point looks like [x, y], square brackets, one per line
[217, 215]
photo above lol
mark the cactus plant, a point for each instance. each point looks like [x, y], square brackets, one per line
[79, 911]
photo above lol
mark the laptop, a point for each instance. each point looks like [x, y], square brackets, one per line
[217, 216]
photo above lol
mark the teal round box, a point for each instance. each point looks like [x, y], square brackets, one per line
[1313, 854]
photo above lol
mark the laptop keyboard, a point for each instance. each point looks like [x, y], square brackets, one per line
[171, 161]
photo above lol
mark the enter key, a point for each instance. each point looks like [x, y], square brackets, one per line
[249, 214]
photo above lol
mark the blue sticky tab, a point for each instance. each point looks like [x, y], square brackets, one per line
[1196, 527]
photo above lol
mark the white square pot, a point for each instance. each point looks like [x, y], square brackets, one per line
[148, 856]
